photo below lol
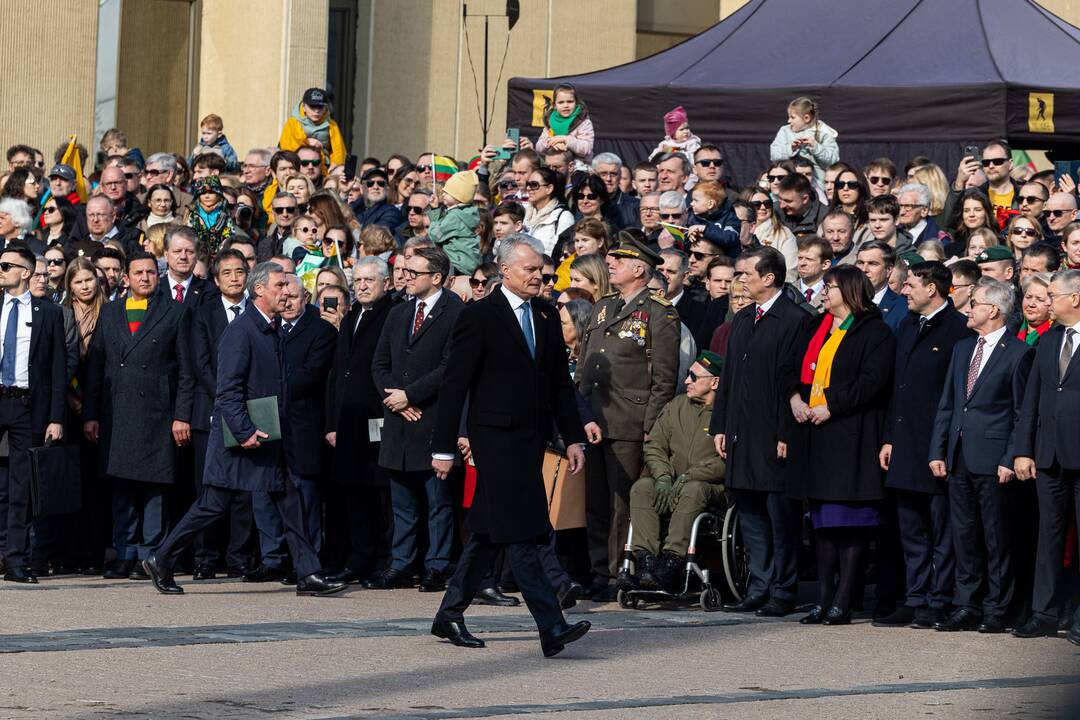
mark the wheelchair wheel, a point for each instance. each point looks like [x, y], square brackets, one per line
[736, 569]
[626, 601]
[710, 599]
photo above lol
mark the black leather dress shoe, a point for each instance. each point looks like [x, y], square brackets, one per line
[901, 617]
[926, 618]
[346, 575]
[163, 581]
[569, 594]
[508, 588]
[1073, 635]
[432, 581]
[814, 617]
[491, 596]
[961, 619]
[456, 633]
[836, 616]
[20, 574]
[992, 626]
[555, 639]
[90, 570]
[288, 579]
[237, 571]
[776, 608]
[119, 570]
[1036, 627]
[750, 603]
[316, 584]
[138, 573]
[203, 572]
[389, 579]
[263, 573]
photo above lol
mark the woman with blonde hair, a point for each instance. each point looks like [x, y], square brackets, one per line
[1021, 233]
[300, 187]
[933, 178]
[590, 273]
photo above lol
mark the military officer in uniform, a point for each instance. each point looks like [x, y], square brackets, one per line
[685, 475]
[627, 373]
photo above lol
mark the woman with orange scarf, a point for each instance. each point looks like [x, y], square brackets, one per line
[846, 377]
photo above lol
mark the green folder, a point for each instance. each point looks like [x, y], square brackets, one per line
[264, 413]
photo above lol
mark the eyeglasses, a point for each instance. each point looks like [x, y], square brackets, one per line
[113, 183]
[670, 216]
[154, 173]
[375, 183]
[252, 166]
[132, 176]
[694, 377]
[42, 275]
[98, 216]
[649, 210]
[910, 206]
[533, 185]
[509, 185]
[310, 163]
[1057, 213]
[283, 209]
[758, 204]
[957, 286]
[475, 282]
[49, 210]
[975, 303]
[6, 267]
[1025, 232]
[994, 162]
[1030, 199]
[776, 178]
[307, 230]
[879, 180]
[831, 286]
[416, 210]
[413, 274]
[548, 278]
[711, 162]
[699, 256]
[53, 262]
[423, 168]
[609, 174]
[846, 185]
[1049, 294]
[587, 196]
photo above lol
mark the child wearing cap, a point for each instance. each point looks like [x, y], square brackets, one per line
[679, 137]
[310, 124]
[455, 223]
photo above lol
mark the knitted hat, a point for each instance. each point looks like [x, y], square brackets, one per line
[462, 186]
[674, 120]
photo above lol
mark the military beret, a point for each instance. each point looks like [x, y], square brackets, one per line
[711, 362]
[995, 253]
[912, 258]
[631, 247]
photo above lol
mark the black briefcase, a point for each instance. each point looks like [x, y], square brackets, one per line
[55, 482]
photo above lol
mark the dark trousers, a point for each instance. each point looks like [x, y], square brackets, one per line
[501, 570]
[15, 502]
[233, 533]
[475, 562]
[359, 526]
[1059, 490]
[409, 493]
[611, 468]
[928, 548]
[980, 539]
[214, 505]
[140, 519]
[271, 525]
[1022, 514]
[771, 530]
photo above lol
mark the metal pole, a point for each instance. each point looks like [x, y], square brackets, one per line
[485, 128]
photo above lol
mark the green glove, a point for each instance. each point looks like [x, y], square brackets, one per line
[676, 492]
[662, 490]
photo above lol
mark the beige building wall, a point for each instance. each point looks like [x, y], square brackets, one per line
[46, 102]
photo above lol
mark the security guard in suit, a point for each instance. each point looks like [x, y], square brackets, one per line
[627, 372]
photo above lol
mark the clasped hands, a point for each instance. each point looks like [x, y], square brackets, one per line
[666, 493]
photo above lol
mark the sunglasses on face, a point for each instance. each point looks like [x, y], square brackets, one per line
[306, 230]
[301, 208]
[416, 210]
[587, 196]
[846, 185]
[1030, 199]
[993, 162]
[310, 163]
[758, 204]
[548, 278]
[670, 216]
[1025, 232]
[49, 210]
[879, 180]
[475, 282]
[153, 173]
[423, 168]
[53, 262]
[6, 266]
[700, 256]
[694, 377]
[709, 162]
[776, 178]
[284, 209]
[508, 185]
[533, 185]
[131, 176]
[1056, 213]
[375, 183]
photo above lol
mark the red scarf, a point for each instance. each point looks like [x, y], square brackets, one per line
[806, 375]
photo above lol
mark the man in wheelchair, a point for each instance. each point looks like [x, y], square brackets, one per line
[683, 476]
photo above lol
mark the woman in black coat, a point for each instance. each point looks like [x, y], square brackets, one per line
[846, 374]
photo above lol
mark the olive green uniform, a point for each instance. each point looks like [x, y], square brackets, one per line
[679, 446]
[627, 372]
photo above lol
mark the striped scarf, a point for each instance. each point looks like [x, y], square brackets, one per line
[1031, 335]
[136, 313]
[817, 363]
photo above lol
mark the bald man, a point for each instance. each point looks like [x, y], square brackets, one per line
[1059, 211]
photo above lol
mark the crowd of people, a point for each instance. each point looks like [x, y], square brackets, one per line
[875, 363]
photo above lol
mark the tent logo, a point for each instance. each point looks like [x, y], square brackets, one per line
[1041, 112]
[541, 99]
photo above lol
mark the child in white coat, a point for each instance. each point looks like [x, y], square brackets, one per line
[807, 136]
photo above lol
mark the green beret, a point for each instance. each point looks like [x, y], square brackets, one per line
[995, 253]
[631, 247]
[711, 362]
[912, 258]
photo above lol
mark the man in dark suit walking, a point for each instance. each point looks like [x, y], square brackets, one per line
[924, 345]
[1047, 451]
[753, 424]
[507, 355]
[251, 365]
[408, 368]
[33, 370]
[138, 406]
[973, 444]
[208, 323]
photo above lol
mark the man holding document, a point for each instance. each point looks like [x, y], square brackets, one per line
[245, 452]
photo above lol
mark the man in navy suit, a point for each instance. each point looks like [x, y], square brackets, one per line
[251, 364]
[179, 282]
[973, 445]
[32, 386]
[924, 344]
[1048, 452]
[877, 259]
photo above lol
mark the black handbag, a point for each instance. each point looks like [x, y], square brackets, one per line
[55, 480]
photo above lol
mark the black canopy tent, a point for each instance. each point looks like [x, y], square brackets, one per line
[897, 78]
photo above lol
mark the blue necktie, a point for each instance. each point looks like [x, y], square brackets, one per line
[527, 328]
[11, 346]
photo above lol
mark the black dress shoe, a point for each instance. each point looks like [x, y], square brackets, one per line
[138, 573]
[492, 596]
[836, 616]
[569, 594]
[961, 619]
[606, 594]
[432, 581]
[389, 579]
[237, 571]
[316, 584]
[346, 575]
[204, 572]
[263, 573]
[1073, 635]
[750, 603]
[901, 617]
[456, 633]
[163, 581]
[288, 579]
[90, 570]
[776, 608]
[926, 618]
[1036, 627]
[20, 574]
[119, 570]
[555, 639]
[508, 588]
[992, 625]
[814, 617]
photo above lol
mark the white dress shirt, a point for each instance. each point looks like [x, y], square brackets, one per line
[429, 303]
[880, 294]
[228, 304]
[173, 283]
[814, 289]
[767, 305]
[935, 312]
[990, 342]
[1076, 337]
[22, 345]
